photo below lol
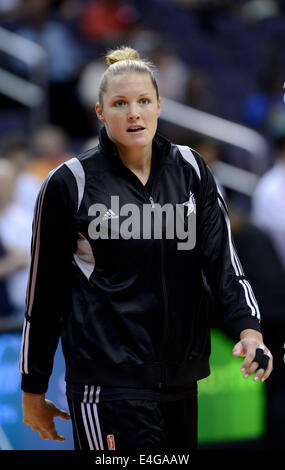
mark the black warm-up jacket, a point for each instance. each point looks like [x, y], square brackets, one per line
[130, 310]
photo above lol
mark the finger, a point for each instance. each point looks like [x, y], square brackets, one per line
[53, 434]
[263, 372]
[251, 369]
[258, 363]
[50, 435]
[258, 374]
[43, 434]
[249, 359]
[268, 370]
[238, 350]
[60, 438]
[63, 414]
[57, 411]
[55, 437]
[35, 428]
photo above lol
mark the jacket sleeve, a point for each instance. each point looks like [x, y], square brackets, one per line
[49, 285]
[220, 262]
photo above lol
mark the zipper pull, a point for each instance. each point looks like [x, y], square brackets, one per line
[152, 202]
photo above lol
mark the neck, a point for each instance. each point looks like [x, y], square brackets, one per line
[137, 160]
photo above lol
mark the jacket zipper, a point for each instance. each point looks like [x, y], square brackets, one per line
[152, 202]
[150, 199]
[165, 302]
[164, 296]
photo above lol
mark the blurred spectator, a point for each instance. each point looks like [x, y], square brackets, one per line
[208, 148]
[14, 147]
[206, 11]
[211, 152]
[20, 180]
[8, 6]
[268, 202]
[68, 10]
[64, 55]
[256, 10]
[15, 239]
[6, 307]
[171, 72]
[106, 19]
[50, 147]
[64, 64]
[88, 86]
[202, 4]
[264, 109]
[197, 91]
[144, 39]
[15, 150]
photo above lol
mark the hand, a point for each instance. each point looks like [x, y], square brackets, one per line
[246, 347]
[39, 413]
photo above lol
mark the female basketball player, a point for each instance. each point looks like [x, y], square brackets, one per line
[124, 236]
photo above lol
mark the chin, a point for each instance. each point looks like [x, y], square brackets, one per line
[138, 141]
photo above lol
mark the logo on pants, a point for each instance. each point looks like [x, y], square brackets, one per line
[111, 441]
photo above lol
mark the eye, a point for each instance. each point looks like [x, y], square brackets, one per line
[144, 101]
[119, 103]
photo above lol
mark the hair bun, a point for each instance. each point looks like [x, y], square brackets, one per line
[122, 53]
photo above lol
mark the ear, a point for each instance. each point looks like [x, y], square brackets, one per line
[99, 112]
[158, 107]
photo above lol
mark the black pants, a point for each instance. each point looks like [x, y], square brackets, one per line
[135, 425]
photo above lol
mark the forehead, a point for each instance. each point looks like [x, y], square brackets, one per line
[129, 84]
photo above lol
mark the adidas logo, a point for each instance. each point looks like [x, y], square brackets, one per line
[110, 215]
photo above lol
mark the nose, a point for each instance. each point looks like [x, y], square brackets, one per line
[133, 113]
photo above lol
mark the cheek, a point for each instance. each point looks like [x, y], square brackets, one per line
[152, 114]
[114, 121]
[151, 117]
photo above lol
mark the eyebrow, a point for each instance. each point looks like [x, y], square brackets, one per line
[124, 96]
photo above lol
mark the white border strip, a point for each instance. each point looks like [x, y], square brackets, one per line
[189, 157]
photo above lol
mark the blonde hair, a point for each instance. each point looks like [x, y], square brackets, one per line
[123, 60]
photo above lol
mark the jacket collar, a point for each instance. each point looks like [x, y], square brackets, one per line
[161, 146]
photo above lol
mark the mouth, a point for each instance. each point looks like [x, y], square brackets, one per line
[135, 130]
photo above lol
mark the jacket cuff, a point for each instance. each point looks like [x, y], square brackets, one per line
[240, 324]
[34, 384]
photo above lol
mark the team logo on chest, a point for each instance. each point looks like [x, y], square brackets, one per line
[190, 204]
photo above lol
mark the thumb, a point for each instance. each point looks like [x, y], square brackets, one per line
[238, 349]
[57, 411]
[63, 414]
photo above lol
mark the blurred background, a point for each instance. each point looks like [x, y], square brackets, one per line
[220, 69]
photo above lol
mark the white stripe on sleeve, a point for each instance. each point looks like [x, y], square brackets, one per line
[249, 295]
